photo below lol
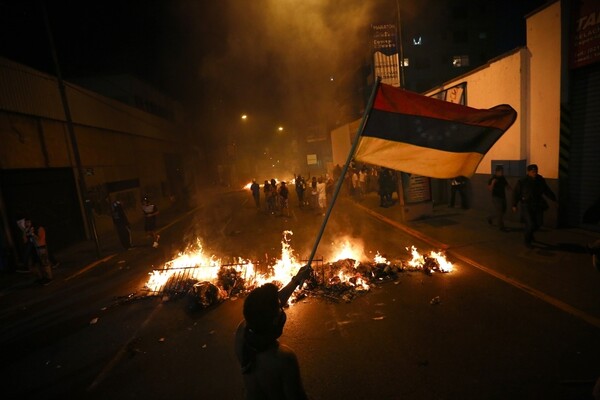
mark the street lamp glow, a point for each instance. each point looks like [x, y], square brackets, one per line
[244, 117]
[280, 129]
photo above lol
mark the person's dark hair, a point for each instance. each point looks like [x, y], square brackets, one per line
[499, 168]
[261, 307]
[532, 167]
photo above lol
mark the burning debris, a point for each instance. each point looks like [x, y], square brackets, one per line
[207, 281]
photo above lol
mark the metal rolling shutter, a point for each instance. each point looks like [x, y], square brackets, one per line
[584, 165]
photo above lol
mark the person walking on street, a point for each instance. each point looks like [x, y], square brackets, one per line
[35, 237]
[529, 196]
[498, 185]
[150, 212]
[121, 224]
[459, 185]
[255, 188]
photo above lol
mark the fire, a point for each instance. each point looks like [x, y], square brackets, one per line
[379, 259]
[348, 268]
[285, 267]
[291, 181]
[349, 250]
[419, 261]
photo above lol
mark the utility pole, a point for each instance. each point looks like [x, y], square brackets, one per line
[83, 193]
[399, 32]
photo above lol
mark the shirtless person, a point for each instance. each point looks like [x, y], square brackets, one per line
[270, 369]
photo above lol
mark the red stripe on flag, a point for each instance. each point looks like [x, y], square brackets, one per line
[396, 100]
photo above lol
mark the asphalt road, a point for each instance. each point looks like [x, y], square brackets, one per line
[485, 339]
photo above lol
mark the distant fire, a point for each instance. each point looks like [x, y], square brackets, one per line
[290, 181]
[349, 268]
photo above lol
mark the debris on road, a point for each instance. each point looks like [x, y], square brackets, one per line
[435, 301]
[206, 281]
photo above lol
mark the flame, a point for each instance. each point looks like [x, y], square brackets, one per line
[204, 268]
[379, 259]
[418, 260]
[348, 250]
[291, 181]
[285, 267]
[445, 265]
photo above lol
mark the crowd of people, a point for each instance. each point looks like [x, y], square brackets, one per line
[316, 192]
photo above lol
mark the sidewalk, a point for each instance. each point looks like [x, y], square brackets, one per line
[76, 257]
[559, 266]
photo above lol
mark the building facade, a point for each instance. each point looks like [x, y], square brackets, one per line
[126, 153]
[558, 106]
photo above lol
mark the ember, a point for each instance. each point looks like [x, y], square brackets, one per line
[207, 281]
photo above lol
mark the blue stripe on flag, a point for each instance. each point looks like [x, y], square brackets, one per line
[431, 132]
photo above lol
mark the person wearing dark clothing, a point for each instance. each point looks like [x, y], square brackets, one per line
[337, 172]
[267, 193]
[284, 195]
[529, 196]
[498, 185]
[121, 224]
[270, 369]
[300, 189]
[255, 188]
[459, 185]
[274, 199]
[386, 188]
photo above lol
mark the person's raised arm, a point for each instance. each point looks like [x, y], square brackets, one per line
[287, 290]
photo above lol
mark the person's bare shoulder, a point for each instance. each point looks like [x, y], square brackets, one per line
[287, 356]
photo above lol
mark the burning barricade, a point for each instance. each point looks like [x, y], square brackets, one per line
[207, 281]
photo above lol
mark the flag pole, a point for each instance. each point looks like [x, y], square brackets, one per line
[340, 181]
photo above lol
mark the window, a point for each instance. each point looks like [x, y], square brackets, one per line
[405, 62]
[460, 61]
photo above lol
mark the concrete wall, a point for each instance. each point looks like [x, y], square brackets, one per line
[544, 43]
[501, 81]
[116, 142]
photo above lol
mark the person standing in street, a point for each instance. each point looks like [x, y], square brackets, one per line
[150, 211]
[459, 185]
[300, 184]
[121, 224]
[529, 196]
[284, 202]
[270, 370]
[321, 195]
[35, 238]
[255, 188]
[498, 185]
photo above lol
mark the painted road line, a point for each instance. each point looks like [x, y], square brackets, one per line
[90, 266]
[534, 292]
[590, 319]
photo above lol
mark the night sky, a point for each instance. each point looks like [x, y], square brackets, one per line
[248, 55]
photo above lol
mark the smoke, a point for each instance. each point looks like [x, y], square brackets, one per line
[290, 50]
